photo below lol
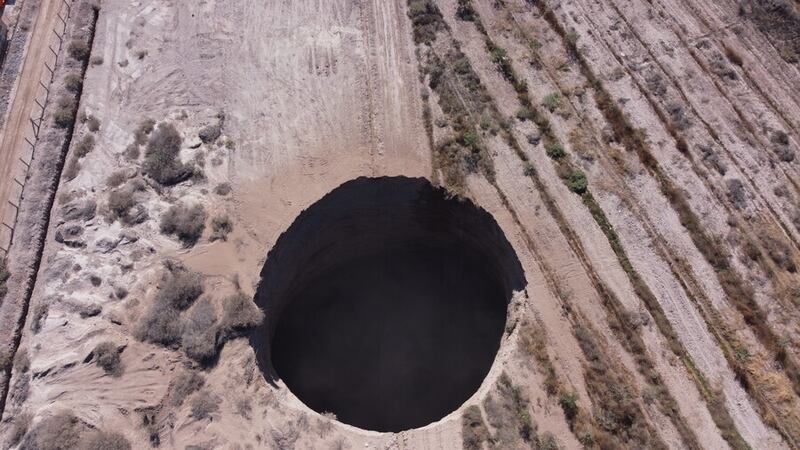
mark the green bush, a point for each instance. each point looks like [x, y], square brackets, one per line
[185, 222]
[569, 404]
[552, 101]
[555, 150]
[576, 181]
[524, 114]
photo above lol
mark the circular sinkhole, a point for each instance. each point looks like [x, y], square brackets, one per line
[386, 302]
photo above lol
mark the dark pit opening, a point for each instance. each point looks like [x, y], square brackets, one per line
[386, 303]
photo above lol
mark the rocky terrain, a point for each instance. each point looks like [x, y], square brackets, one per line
[639, 157]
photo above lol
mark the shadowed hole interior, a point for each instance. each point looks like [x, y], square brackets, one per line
[386, 303]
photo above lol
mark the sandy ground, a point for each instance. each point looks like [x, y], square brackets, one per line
[316, 93]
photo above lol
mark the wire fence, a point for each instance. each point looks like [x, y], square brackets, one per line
[26, 154]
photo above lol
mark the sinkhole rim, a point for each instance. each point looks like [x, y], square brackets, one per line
[368, 208]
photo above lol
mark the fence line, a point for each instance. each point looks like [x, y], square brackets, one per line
[32, 134]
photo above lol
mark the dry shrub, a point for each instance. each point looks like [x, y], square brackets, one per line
[185, 384]
[73, 82]
[84, 146]
[221, 226]
[64, 116]
[58, 432]
[116, 179]
[736, 193]
[120, 202]
[106, 356]
[780, 252]
[161, 156]
[199, 337]
[204, 404]
[4, 276]
[210, 133]
[186, 222]
[19, 426]
[223, 189]
[473, 430]
[143, 130]
[93, 124]
[105, 440]
[22, 363]
[161, 323]
[78, 49]
[426, 20]
[239, 312]
[180, 288]
[507, 411]
[38, 314]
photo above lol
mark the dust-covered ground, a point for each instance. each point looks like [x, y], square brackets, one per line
[639, 155]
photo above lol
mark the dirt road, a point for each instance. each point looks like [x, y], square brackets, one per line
[17, 126]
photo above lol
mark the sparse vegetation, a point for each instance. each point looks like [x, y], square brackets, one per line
[199, 336]
[221, 226]
[93, 124]
[105, 440]
[161, 156]
[185, 222]
[223, 189]
[239, 312]
[185, 384]
[38, 314]
[507, 410]
[555, 150]
[4, 276]
[73, 82]
[84, 146]
[180, 288]
[473, 429]
[210, 133]
[19, 426]
[120, 202]
[78, 49]
[106, 356]
[116, 179]
[576, 181]
[204, 404]
[552, 101]
[60, 431]
[64, 115]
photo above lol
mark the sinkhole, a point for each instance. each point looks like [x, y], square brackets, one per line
[386, 302]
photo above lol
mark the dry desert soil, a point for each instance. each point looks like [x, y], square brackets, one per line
[400, 224]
